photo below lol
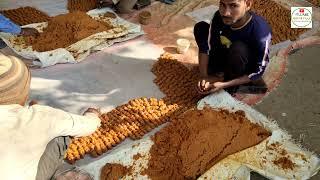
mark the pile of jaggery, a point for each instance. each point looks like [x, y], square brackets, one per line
[81, 5]
[25, 15]
[66, 29]
[193, 143]
[140, 116]
[197, 140]
[279, 19]
[114, 171]
[176, 81]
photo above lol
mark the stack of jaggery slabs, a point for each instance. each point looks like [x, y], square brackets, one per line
[197, 140]
[81, 5]
[279, 19]
[25, 15]
[134, 119]
[65, 30]
[176, 81]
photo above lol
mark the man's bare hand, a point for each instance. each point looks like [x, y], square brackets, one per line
[29, 32]
[206, 85]
[203, 86]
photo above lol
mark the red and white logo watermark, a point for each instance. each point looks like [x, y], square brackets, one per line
[301, 17]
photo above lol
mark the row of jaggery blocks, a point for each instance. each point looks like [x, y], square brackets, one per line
[176, 81]
[140, 116]
[81, 5]
[25, 15]
[278, 18]
[134, 120]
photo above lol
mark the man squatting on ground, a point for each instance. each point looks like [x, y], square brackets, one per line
[233, 48]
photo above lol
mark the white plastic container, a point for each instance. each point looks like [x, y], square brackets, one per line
[183, 45]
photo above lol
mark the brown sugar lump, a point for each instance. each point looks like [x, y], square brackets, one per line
[114, 171]
[197, 140]
[25, 15]
[66, 29]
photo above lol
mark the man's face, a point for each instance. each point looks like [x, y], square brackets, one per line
[233, 10]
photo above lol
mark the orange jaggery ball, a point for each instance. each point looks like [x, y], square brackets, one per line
[107, 141]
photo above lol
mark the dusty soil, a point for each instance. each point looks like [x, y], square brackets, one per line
[197, 140]
[25, 15]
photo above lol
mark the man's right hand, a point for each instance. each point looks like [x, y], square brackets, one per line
[29, 32]
[204, 86]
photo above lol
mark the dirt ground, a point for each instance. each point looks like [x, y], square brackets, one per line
[295, 104]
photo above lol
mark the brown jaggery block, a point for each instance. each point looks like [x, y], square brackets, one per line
[80, 148]
[124, 128]
[25, 15]
[107, 141]
[114, 136]
[81, 5]
[176, 80]
[94, 154]
[120, 135]
[134, 135]
[76, 155]
[139, 132]
[69, 157]
[84, 141]
[103, 146]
